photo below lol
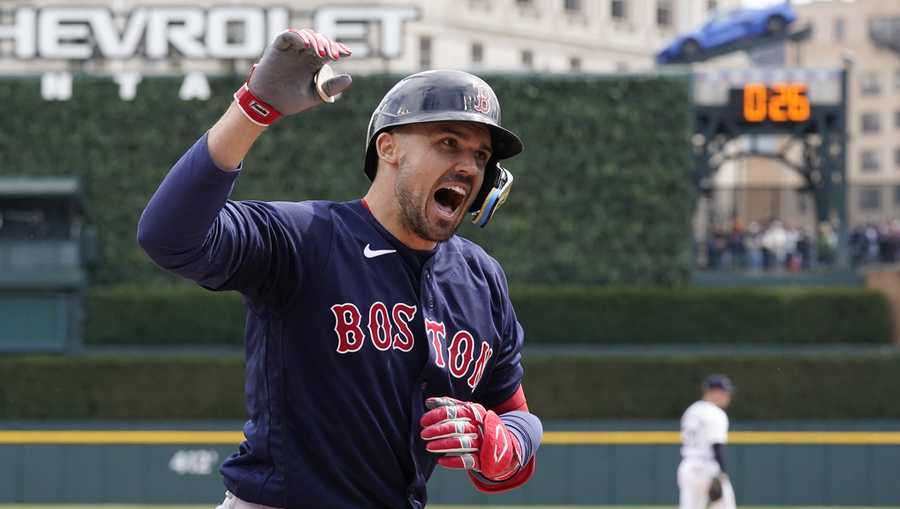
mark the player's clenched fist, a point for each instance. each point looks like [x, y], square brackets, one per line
[470, 437]
[292, 76]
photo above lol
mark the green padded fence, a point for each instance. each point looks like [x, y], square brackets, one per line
[775, 387]
[120, 316]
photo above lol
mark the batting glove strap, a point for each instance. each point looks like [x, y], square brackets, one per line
[500, 452]
[521, 477]
[258, 111]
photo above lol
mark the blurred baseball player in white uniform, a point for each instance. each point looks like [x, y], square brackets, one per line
[702, 477]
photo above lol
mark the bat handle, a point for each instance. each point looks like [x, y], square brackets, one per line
[324, 74]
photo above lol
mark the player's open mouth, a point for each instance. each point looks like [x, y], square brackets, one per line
[449, 198]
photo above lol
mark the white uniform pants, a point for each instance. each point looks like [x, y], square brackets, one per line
[232, 502]
[694, 478]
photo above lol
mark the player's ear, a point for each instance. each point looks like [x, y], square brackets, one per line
[386, 145]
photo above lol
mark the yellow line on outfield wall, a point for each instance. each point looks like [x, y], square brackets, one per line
[735, 437]
[150, 437]
[610, 437]
[119, 437]
[815, 437]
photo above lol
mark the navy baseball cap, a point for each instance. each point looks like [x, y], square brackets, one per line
[718, 382]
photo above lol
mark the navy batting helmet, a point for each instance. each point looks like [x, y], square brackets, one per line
[440, 96]
[718, 382]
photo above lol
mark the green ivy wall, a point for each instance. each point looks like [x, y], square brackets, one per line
[602, 192]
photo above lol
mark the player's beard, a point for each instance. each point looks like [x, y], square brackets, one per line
[414, 207]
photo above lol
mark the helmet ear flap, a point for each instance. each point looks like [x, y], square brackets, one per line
[494, 192]
[490, 178]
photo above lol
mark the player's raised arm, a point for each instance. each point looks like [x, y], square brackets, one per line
[188, 226]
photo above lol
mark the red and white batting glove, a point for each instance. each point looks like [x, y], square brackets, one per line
[292, 76]
[470, 437]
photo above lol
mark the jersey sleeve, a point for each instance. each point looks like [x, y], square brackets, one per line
[718, 427]
[507, 372]
[191, 228]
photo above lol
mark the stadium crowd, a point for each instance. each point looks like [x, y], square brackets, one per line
[780, 246]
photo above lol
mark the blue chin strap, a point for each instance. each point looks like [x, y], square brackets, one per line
[495, 197]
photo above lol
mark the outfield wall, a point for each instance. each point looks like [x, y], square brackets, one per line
[579, 463]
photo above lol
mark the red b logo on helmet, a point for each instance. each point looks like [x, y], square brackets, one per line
[482, 103]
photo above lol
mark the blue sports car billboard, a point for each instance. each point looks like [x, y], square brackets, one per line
[728, 27]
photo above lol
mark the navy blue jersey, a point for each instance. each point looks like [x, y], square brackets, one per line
[347, 332]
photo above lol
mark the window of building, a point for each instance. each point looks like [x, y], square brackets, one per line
[871, 160]
[897, 80]
[527, 59]
[884, 29]
[897, 119]
[897, 157]
[575, 64]
[896, 195]
[870, 121]
[870, 198]
[572, 5]
[477, 53]
[235, 31]
[527, 8]
[664, 13]
[711, 5]
[869, 84]
[839, 29]
[424, 52]
[619, 9]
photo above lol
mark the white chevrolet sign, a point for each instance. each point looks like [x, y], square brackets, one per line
[157, 33]
[82, 33]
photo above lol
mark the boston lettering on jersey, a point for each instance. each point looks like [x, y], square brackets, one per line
[350, 334]
[381, 324]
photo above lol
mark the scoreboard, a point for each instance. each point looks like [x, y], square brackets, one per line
[780, 102]
[805, 109]
[770, 100]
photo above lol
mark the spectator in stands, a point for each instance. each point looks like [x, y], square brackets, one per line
[736, 247]
[753, 246]
[775, 242]
[826, 244]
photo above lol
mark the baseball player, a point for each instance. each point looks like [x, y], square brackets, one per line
[378, 343]
[702, 478]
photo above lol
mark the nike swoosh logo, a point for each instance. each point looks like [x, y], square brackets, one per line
[368, 252]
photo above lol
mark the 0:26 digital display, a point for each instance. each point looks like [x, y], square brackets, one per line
[780, 103]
